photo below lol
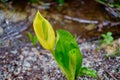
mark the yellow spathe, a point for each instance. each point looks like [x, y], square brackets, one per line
[44, 32]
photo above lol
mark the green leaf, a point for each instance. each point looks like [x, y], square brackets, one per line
[109, 33]
[33, 1]
[88, 72]
[35, 40]
[103, 35]
[107, 38]
[30, 36]
[67, 54]
[60, 1]
[75, 61]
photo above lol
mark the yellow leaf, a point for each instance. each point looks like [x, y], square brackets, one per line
[44, 32]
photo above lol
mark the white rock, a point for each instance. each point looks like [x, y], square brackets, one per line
[14, 52]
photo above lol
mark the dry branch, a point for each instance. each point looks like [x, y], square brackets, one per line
[104, 23]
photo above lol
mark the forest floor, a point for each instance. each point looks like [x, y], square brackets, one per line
[20, 60]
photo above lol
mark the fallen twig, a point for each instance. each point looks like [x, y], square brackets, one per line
[104, 23]
[80, 20]
[111, 75]
[43, 7]
[114, 11]
[99, 24]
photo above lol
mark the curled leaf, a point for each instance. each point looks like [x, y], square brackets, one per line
[67, 54]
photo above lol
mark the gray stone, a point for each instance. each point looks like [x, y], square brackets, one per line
[1, 30]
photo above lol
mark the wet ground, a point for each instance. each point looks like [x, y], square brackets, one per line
[85, 11]
[20, 60]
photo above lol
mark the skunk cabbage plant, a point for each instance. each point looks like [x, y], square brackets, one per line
[64, 49]
[44, 32]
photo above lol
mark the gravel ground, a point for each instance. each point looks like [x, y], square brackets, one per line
[35, 63]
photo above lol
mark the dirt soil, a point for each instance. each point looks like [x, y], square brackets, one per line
[20, 60]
